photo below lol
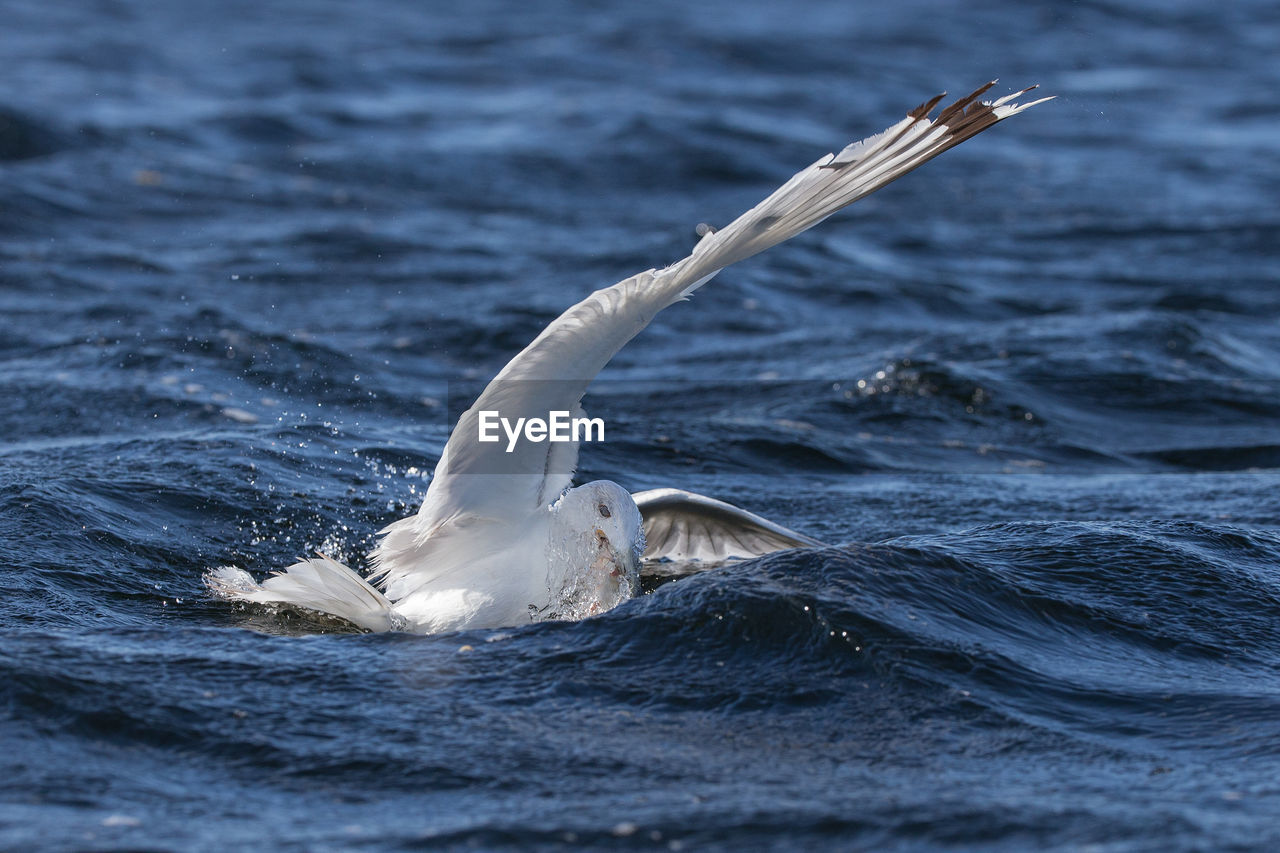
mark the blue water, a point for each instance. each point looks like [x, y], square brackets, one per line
[246, 247]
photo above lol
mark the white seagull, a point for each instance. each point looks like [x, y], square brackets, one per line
[501, 539]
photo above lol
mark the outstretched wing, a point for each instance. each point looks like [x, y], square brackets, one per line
[682, 526]
[838, 180]
[553, 372]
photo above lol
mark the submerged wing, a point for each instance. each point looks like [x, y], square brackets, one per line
[553, 372]
[682, 526]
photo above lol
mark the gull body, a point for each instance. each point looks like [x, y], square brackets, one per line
[501, 538]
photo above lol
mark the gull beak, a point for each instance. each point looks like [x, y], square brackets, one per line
[622, 569]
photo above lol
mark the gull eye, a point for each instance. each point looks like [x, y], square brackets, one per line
[604, 510]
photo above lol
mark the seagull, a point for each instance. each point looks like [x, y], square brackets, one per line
[501, 538]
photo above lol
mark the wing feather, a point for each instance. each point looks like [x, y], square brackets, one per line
[682, 526]
[569, 353]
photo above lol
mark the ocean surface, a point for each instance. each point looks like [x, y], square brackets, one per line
[1029, 393]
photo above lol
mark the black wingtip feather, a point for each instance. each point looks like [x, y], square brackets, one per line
[924, 109]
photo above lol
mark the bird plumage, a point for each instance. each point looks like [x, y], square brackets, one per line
[475, 555]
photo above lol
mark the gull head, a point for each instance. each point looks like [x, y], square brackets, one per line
[594, 546]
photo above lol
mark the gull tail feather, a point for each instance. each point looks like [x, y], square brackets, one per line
[838, 180]
[321, 583]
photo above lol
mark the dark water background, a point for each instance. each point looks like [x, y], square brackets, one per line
[244, 248]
